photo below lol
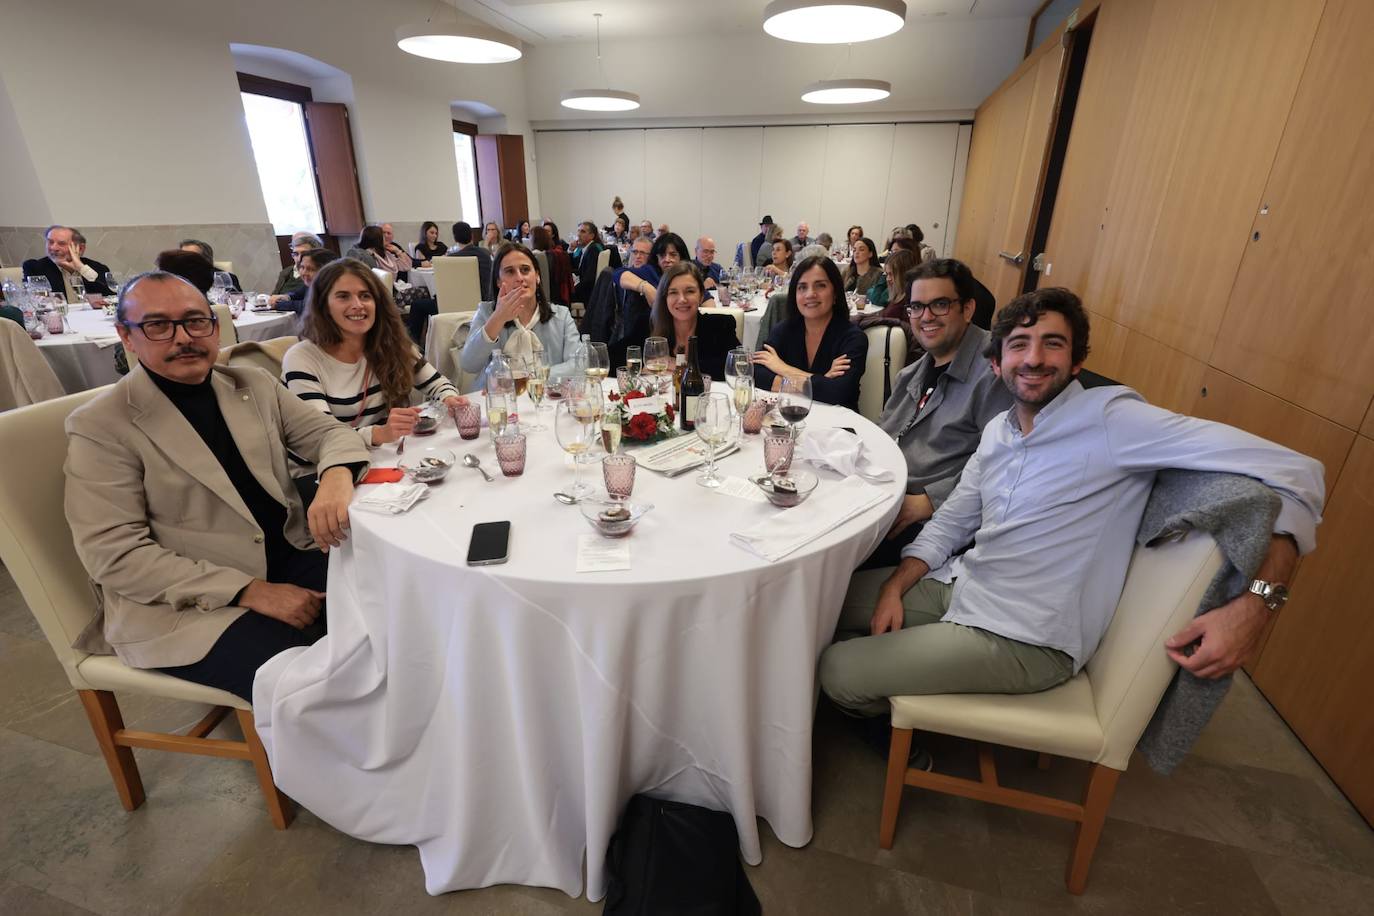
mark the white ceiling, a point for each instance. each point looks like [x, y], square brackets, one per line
[543, 22]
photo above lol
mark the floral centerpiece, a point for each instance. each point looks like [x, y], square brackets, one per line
[642, 426]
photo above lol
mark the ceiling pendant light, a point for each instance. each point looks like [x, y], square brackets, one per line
[600, 99]
[846, 92]
[829, 22]
[458, 43]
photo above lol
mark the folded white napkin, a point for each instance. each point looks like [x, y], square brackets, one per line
[394, 498]
[102, 341]
[841, 451]
[830, 506]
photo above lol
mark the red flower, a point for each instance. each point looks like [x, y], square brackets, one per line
[668, 409]
[642, 426]
[613, 396]
[633, 393]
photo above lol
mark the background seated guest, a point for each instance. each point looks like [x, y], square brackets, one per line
[555, 240]
[371, 249]
[855, 233]
[802, 238]
[706, 262]
[206, 568]
[667, 250]
[560, 266]
[290, 279]
[66, 259]
[584, 259]
[662, 231]
[491, 237]
[464, 246]
[522, 232]
[898, 232]
[646, 229]
[311, 262]
[815, 338]
[826, 241]
[923, 251]
[783, 257]
[521, 321]
[428, 247]
[204, 249]
[891, 288]
[863, 270]
[394, 257]
[355, 361]
[189, 265]
[941, 402]
[761, 248]
[620, 230]
[676, 316]
[1052, 499]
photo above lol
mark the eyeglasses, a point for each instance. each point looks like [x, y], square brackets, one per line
[165, 328]
[938, 307]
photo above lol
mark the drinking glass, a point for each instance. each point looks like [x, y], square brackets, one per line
[619, 474]
[656, 357]
[468, 417]
[536, 388]
[112, 282]
[623, 382]
[575, 431]
[610, 432]
[501, 411]
[510, 453]
[714, 422]
[777, 454]
[634, 360]
[598, 361]
[78, 288]
[35, 286]
[752, 420]
[794, 403]
[743, 394]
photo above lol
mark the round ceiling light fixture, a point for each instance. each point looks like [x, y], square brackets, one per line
[846, 92]
[830, 22]
[600, 99]
[465, 44]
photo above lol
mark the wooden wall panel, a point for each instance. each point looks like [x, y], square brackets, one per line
[1298, 323]
[1115, 58]
[1237, 102]
[1368, 428]
[1316, 665]
[1229, 400]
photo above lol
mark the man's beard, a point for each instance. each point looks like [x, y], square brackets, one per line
[1052, 391]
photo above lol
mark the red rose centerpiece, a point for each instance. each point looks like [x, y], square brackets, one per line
[638, 424]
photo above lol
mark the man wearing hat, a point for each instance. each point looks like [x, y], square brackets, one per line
[757, 243]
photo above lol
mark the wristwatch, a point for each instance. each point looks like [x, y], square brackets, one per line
[1273, 594]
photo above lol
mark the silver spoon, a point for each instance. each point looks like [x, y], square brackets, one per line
[471, 461]
[566, 499]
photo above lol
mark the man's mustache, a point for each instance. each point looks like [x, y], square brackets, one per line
[184, 350]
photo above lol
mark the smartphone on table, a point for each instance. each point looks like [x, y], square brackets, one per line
[490, 544]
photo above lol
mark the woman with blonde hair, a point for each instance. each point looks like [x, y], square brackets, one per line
[355, 360]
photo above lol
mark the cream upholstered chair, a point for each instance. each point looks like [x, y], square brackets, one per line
[12, 273]
[265, 354]
[1097, 716]
[387, 277]
[603, 260]
[735, 313]
[542, 259]
[36, 547]
[457, 285]
[447, 333]
[25, 375]
[227, 266]
[228, 334]
[886, 357]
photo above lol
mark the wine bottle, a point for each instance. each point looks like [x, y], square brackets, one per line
[679, 368]
[693, 387]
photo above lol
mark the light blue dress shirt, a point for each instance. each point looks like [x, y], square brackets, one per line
[1055, 512]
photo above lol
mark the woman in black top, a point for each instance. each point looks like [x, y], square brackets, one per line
[429, 247]
[676, 316]
[815, 338]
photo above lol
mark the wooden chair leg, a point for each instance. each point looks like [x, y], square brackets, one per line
[1101, 788]
[892, 790]
[103, 711]
[279, 807]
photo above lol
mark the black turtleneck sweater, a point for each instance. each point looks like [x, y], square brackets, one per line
[198, 405]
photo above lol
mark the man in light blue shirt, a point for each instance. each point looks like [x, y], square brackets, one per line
[1052, 498]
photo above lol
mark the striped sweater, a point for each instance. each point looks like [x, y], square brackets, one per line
[336, 388]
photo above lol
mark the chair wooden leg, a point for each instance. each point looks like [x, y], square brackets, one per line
[103, 711]
[279, 807]
[892, 790]
[1101, 788]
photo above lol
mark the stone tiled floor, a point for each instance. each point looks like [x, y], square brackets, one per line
[1248, 825]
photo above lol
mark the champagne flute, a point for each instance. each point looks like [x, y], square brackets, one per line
[610, 432]
[714, 422]
[634, 361]
[794, 402]
[744, 394]
[535, 387]
[573, 427]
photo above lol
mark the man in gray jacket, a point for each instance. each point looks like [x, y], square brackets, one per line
[940, 403]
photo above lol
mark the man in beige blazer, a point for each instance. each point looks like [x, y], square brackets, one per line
[181, 506]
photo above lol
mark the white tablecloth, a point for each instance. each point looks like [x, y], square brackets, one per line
[499, 717]
[83, 358]
[422, 276]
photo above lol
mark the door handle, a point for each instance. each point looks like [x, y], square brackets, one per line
[1018, 259]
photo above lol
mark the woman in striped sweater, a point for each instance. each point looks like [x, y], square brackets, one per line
[355, 360]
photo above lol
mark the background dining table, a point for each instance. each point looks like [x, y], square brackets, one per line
[500, 717]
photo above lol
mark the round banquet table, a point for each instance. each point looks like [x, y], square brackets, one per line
[500, 717]
[422, 277]
[83, 358]
[754, 318]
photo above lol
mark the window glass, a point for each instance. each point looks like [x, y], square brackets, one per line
[277, 129]
[467, 179]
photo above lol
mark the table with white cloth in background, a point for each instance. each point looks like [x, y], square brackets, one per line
[422, 277]
[500, 717]
[83, 357]
[754, 317]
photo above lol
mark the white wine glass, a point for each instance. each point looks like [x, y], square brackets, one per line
[574, 427]
[536, 386]
[598, 361]
[714, 423]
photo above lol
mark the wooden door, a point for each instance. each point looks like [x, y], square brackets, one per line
[331, 146]
[1011, 136]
